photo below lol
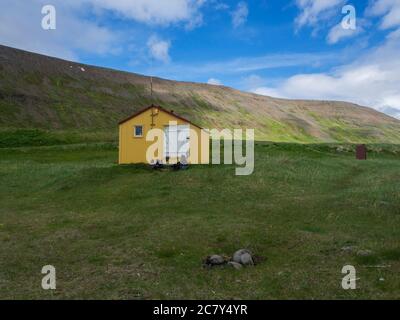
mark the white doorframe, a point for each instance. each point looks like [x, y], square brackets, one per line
[177, 141]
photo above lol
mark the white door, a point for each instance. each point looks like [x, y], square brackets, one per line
[177, 141]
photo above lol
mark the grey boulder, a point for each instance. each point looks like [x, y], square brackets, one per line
[235, 265]
[216, 260]
[364, 253]
[243, 256]
[348, 248]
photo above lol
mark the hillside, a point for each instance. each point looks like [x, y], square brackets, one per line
[61, 96]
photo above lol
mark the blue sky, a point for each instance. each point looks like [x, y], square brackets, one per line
[290, 49]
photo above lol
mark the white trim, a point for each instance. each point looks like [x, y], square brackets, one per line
[134, 131]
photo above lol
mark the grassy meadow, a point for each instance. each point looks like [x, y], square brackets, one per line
[127, 232]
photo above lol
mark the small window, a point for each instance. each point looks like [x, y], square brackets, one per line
[138, 131]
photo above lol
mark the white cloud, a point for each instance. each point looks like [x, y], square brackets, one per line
[394, 35]
[390, 111]
[20, 27]
[221, 6]
[214, 82]
[372, 80]
[389, 9]
[267, 91]
[244, 65]
[159, 49]
[313, 12]
[239, 16]
[338, 33]
[197, 21]
[253, 81]
[153, 11]
[319, 14]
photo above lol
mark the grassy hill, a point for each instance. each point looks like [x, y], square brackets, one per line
[69, 102]
[132, 233]
[127, 232]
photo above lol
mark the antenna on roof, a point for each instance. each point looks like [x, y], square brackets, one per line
[151, 80]
[151, 87]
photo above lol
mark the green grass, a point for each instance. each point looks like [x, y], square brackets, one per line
[128, 232]
[11, 138]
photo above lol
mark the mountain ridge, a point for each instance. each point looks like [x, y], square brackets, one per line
[49, 93]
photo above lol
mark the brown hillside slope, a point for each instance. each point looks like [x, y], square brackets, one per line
[37, 91]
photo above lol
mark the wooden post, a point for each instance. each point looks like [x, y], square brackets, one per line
[361, 152]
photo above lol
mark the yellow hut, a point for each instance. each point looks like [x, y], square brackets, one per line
[155, 134]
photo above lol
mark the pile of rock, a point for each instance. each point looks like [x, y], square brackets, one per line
[359, 252]
[239, 259]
